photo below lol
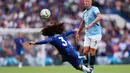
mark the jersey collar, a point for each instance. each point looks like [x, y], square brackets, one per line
[89, 8]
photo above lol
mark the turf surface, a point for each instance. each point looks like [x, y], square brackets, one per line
[66, 69]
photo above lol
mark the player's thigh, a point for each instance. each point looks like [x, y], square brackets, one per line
[95, 40]
[75, 63]
[86, 50]
[92, 51]
[65, 58]
[87, 41]
[72, 53]
[19, 52]
[70, 56]
[87, 44]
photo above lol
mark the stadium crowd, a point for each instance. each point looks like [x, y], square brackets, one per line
[113, 49]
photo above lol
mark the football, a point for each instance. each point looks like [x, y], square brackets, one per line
[45, 13]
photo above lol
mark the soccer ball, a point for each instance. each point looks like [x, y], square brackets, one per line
[45, 13]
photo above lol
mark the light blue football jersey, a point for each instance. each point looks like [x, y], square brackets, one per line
[89, 15]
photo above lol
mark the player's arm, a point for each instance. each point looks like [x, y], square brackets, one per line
[14, 46]
[81, 26]
[24, 43]
[98, 18]
[40, 42]
[70, 32]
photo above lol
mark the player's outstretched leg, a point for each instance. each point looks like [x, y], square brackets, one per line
[19, 58]
[85, 61]
[91, 70]
[77, 64]
[92, 61]
[92, 58]
[20, 63]
[83, 68]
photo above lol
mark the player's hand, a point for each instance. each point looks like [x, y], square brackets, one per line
[77, 30]
[77, 36]
[89, 26]
[32, 43]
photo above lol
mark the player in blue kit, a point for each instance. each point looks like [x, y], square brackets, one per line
[19, 40]
[57, 38]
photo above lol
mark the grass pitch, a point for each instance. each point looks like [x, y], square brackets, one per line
[66, 69]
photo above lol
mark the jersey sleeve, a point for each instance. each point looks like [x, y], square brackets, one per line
[96, 11]
[44, 41]
[69, 33]
[16, 41]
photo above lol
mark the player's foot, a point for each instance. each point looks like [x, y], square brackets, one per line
[20, 65]
[91, 70]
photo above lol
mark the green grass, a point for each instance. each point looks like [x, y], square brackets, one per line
[66, 69]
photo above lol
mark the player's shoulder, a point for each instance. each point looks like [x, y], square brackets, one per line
[22, 38]
[94, 7]
[15, 38]
[54, 37]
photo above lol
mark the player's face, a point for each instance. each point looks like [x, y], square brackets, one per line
[19, 34]
[87, 3]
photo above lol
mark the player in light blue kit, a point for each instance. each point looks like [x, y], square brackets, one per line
[57, 38]
[93, 31]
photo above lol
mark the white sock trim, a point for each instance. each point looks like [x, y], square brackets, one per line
[84, 68]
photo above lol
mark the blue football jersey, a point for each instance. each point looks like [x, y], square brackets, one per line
[66, 50]
[19, 43]
[60, 42]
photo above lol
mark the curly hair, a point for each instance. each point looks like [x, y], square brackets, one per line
[52, 29]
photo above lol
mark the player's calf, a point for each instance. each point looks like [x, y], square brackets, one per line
[83, 68]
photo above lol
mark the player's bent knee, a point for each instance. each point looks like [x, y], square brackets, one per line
[85, 52]
[78, 68]
[92, 53]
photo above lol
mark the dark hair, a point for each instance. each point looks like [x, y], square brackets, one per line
[52, 29]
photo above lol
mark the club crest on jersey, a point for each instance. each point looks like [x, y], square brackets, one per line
[21, 41]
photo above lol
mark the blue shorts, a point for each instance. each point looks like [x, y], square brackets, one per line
[19, 52]
[72, 58]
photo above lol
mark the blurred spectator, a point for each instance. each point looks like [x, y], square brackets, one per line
[40, 58]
